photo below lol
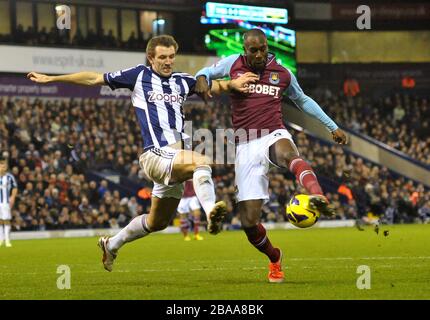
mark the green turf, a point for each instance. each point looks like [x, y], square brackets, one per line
[319, 264]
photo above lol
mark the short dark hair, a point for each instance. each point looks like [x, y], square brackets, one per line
[2, 158]
[254, 33]
[163, 40]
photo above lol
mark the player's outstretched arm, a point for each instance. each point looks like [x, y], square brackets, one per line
[13, 197]
[86, 78]
[219, 70]
[240, 84]
[309, 106]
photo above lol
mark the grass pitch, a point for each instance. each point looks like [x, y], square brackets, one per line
[319, 264]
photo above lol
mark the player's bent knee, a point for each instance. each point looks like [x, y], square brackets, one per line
[285, 159]
[201, 161]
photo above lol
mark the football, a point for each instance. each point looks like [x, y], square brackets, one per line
[299, 212]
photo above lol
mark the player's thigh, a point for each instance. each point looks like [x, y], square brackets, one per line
[250, 212]
[251, 169]
[157, 164]
[185, 163]
[282, 152]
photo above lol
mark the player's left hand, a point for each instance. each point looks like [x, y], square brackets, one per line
[339, 136]
[241, 84]
[202, 89]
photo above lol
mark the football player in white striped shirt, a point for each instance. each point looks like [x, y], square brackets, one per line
[158, 97]
[8, 192]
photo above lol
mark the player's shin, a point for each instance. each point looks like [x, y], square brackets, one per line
[1, 234]
[136, 229]
[184, 226]
[204, 187]
[7, 228]
[258, 238]
[305, 176]
[196, 221]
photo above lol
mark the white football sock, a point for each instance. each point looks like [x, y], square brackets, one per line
[7, 232]
[136, 229]
[1, 233]
[204, 188]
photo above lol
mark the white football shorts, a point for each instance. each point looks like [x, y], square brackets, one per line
[252, 165]
[5, 212]
[157, 164]
[188, 204]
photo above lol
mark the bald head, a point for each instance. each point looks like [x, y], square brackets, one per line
[254, 33]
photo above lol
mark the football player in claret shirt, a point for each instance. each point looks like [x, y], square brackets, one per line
[189, 207]
[262, 137]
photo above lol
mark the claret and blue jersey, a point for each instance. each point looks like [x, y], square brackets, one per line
[261, 108]
[158, 102]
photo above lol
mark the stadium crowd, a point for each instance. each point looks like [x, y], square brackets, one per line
[401, 120]
[52, 143]
[56, 37]
[104, 39]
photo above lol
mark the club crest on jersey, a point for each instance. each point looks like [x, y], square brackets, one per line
[274, 78]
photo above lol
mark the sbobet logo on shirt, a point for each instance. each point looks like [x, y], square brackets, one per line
[264, 89]
[165, 97]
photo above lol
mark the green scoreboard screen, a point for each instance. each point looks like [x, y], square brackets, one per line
[231, 21]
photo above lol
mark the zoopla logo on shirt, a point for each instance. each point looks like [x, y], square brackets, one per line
[165, 97]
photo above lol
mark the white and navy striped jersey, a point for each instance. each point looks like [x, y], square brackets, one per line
[157, 100]
[7, 183]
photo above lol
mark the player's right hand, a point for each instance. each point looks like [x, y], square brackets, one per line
[241, 84]
[38, 77]
[202, 89]
[339, 136]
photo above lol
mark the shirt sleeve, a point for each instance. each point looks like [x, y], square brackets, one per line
[124, 78]
[308, 105]
[219, 70]
[191, 82]
[13, 182]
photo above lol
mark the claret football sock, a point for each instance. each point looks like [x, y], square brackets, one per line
[204, 188]
[196, 221]
[184, 226]
[137, 228]
[305, 176]
[258, 238]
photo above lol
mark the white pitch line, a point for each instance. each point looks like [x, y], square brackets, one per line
[228, 269]
[286, 267]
